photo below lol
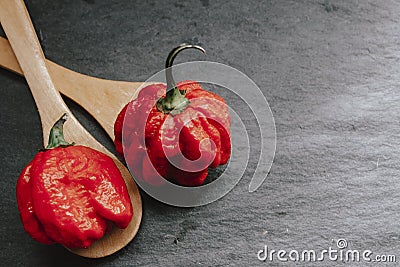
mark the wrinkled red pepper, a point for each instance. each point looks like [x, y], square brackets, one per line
[67, 194]
[187, 120]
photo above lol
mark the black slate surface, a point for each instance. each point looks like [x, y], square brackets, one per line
[330, 71]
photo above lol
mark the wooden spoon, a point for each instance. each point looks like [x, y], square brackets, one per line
[19, 29]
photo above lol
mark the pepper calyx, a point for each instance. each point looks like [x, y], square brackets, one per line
[56, 136]
[173, 104]
[175, 101]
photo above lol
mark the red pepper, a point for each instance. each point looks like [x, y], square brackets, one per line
[67, 194]
[187, 120]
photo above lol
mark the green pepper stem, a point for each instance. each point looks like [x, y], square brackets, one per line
[175, 101]
[56, 137]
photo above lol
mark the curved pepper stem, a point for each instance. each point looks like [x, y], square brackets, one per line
[56, 137]
[175, 101]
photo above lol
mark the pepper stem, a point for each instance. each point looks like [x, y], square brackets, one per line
[175, 101]
[56, 137]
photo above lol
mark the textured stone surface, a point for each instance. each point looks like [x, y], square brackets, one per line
[330, 73]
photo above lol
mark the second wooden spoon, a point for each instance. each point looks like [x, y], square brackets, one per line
[103, 99]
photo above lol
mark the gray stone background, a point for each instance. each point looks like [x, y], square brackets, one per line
[329, 70]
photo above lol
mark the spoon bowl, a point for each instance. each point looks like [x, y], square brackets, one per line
[18, 27]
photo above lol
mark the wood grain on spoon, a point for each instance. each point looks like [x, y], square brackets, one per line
[103, 99]
[18, 27]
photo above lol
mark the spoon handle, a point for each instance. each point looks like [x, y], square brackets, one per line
[7, 57]
[18, 26]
